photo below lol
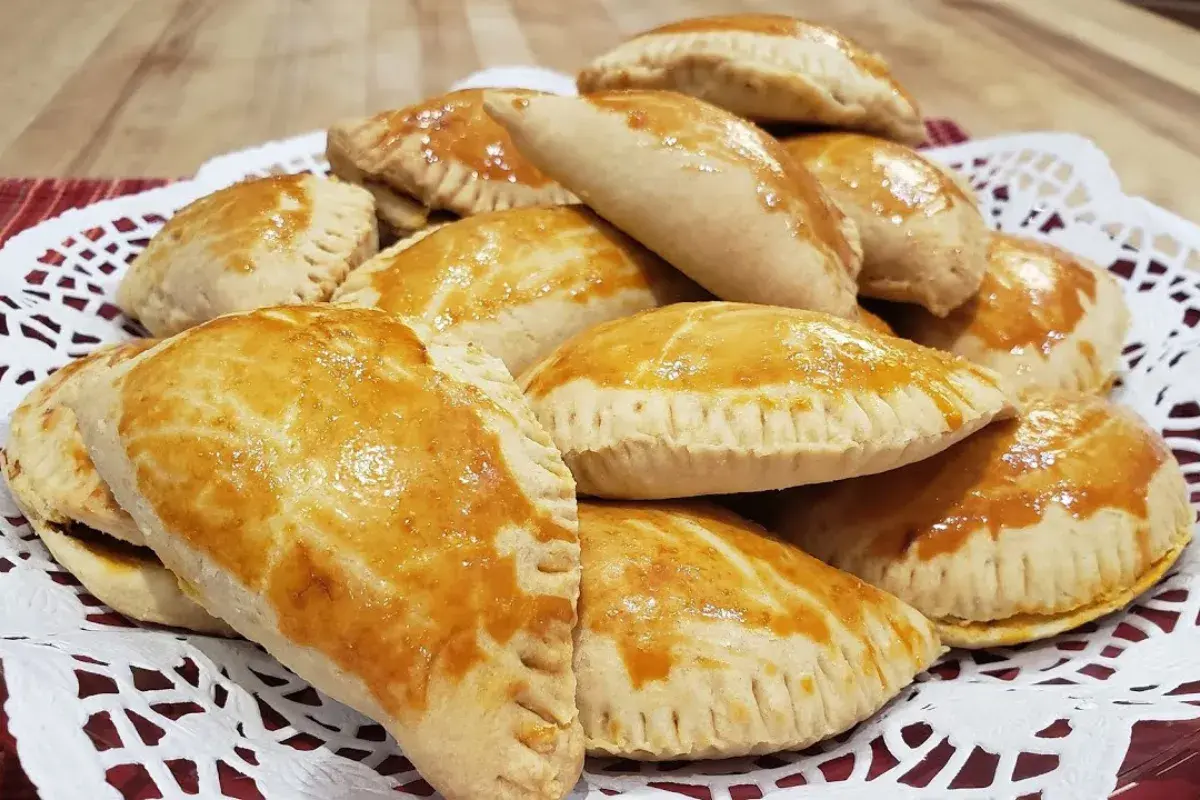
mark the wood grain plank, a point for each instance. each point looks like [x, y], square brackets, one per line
[1147, 42]
[157, 86]
[154, 90]
[36, 72]
[447, 48]
[497, 33]
[1010, 77]
[393, 55]
[544, 25]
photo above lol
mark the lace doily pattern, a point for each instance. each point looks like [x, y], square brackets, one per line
[141, 712]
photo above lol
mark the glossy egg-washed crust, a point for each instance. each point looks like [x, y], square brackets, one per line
[128, 579]
[261, 242]
[709, 192]
[1043, 318]
[399, 214]
[378, 508]
[61, 495]
[923, 238]
[718, 398]
[49, 471]
[766, 67]
[518, 282]
[1031, 527]
[701, 636]
[446, 153]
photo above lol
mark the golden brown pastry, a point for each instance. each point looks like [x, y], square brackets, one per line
[378, 509]
[1031, 527]
[49, 471]
[701, 636]
[283, 239]
[766, 67]
[72, 510]
[716, 398]
[1043, 318]
[923, 238]
[518, 282]
[710, 193]
[441, 153]
[128, 579]
[399, 214]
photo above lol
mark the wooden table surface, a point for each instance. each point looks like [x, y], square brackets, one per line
[154, 87]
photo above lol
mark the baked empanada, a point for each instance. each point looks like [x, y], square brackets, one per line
[128, 579]
[442, 153]
[1031, 527]
[1043, 318]
[399, 214]
[717, 398]
[283, 239]
[766, 67]
[710, 193]
[702, 636]
[72, 510]
[376, 507]
[923, 238]
[519, 282]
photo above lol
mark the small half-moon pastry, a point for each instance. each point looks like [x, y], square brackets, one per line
[399, 214]
[718, 398]
[702, 636]
[441, 153]
[1031, 527]
[715, 196]
[519, 282]
[767, 67]
[378, 509]
[72, 510]
[128, 579]
[923, 238]
[1043, 318]
[262, 242]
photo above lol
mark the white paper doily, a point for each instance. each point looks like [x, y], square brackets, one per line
[96, 703]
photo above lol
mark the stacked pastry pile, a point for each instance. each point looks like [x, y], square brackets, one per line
[330, 454]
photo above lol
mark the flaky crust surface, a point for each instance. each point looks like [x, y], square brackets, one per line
[1044, 318]
[127, 578]
[923, 238]
[718, 398]
[340, 585]
[1032, 527]
[399, 214]
[48, 470]
[267, 241]
[714, 196]
[701, 636]
[765, 67]
[446, 153]
[517, 282]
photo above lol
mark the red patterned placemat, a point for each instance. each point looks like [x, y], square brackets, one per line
[24, 202]
[1162, 761]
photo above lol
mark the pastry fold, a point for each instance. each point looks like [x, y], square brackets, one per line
[718, 398]
[768, 68]
[715, 196]
[378, 509]
[1043, 318]
[1031, 527]
[261, 242]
